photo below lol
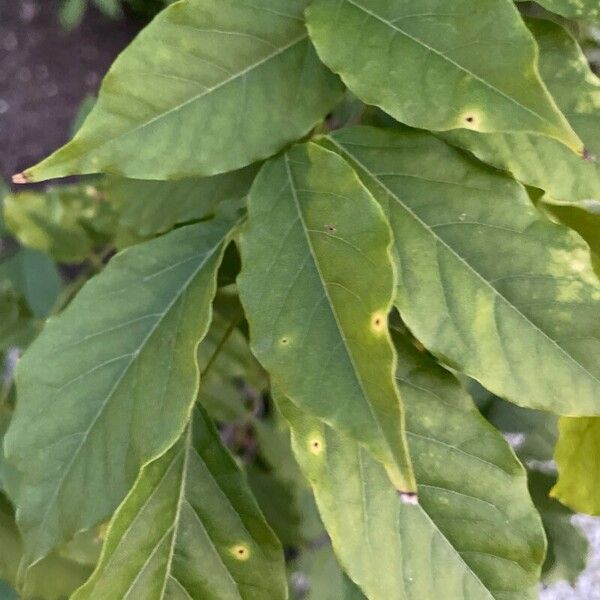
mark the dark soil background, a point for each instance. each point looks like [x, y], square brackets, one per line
[45, 73]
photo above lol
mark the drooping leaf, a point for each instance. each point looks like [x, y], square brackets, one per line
[474, 534]
[577, 456]
[190, 528]
[485, 282]
[573, 9]
[317, 284]
[567, 545]
[36, 277]
[539, 161]
[109, 384]
[465, 65]
[209, 86]
[319, 573]
[64, 222]
[152, 207]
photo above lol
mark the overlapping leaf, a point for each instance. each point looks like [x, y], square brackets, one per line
[577, 457]
[209, 86]
[485, 283]
[109, 384]
[542, 162]
[317, 283]
[151, 207]
[474, 534]
[440, 66]
[190, 528]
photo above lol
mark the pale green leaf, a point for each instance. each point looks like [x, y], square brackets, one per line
[474, 533]
[440, 66]
[485, 283]
[209, 86]
[317, 284]
[190, 528]
[65, 222]
[577, 457]
[542, 162]
[567, 545]
[109, 384]
[151, 207]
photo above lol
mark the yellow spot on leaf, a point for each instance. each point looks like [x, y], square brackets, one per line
[315, 444]
[240, 552]
[379, 322]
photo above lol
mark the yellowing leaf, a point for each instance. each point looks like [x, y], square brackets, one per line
[474, 534]
[577, 457]
[209, 86]
[542, 162]
[439, 65]
[317, 284]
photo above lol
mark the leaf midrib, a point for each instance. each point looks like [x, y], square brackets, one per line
[134, 355]
[333, 310]
[199, 96]
[451, 250]
[451, 61]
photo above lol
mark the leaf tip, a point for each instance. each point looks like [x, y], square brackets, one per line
[587, 155]
[20, 178]
[408, 498]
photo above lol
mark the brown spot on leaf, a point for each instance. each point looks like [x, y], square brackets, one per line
[330, 228]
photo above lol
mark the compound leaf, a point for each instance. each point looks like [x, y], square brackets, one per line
[464, 65]
[542, 162]
[577, 457]
[485, 282]
[474, 534]
[317, 284]
[190, 528]
[110, 382]
[209, 86]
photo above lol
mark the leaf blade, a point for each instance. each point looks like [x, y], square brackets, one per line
[94, 449]
[469, 84]
[197, 77]
[467, 295]
[304, 236]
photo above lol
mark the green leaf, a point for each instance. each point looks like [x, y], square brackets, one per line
[190, 528]
[573, 9]
[152, 207]
[467, 65]
[109, 384]
[320, 572]
[36, 277]
[577, 457]
[567, 545]
[65, 222]
[474, 534]
[209, 86]
[317, 284]
[538, 161]
[485, 282]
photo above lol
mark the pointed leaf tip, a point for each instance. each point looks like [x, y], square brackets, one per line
[19, 178]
